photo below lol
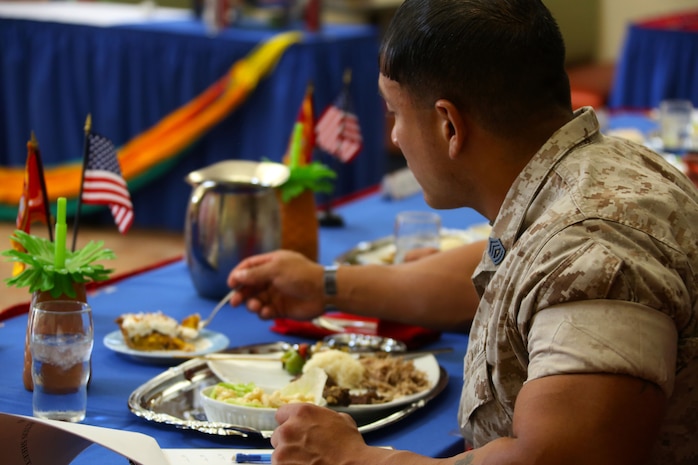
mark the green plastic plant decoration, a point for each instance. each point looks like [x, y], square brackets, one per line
[40, 272]
[314, 176]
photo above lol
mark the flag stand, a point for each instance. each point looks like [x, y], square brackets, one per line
[326, 216]
[338, 134]
[76, 220]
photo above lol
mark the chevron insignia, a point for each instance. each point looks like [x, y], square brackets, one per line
[496, 251]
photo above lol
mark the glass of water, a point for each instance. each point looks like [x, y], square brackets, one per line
[416, 230]
[60, 339]
[676, 125]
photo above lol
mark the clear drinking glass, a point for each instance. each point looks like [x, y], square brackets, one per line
[415, 230]
[60, 339]
[676, 125]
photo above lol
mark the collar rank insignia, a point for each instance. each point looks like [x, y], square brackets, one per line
[496, 250]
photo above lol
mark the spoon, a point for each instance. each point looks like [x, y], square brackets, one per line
[219, 305]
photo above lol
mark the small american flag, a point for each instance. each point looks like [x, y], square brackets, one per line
[337, 131]
[104, 184]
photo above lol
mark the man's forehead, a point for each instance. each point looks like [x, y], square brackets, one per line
[390, 90]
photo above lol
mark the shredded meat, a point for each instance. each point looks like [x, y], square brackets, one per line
[392, 377]
[385, 379]
[335, 395]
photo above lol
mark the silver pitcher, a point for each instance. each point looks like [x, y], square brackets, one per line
[233, 213]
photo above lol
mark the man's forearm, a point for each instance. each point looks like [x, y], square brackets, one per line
[435, 291]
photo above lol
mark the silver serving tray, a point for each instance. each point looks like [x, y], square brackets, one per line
[172, 398]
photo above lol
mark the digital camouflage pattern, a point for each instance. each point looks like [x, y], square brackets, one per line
[601, 234]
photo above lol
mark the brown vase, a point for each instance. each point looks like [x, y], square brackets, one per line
[42, 296]
[299, 225]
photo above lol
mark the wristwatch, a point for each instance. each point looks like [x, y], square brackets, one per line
[330, 280]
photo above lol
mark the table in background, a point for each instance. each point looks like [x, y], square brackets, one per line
[129, 70]
[659, 61]
[430, 431]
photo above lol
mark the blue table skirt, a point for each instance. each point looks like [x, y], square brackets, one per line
[431, 431]
[655, 64]
[129, 77]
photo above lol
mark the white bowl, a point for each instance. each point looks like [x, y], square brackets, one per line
[258, 418]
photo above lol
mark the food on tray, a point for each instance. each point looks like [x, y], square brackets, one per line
[293, 359]
[447, 242]
[341, 367]
[392, 377]
[157, 331]
[369, 379]
[347, 380]
[307, 388]
[382, 251]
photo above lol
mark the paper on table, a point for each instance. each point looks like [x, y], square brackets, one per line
[48, 442]
[208, 456]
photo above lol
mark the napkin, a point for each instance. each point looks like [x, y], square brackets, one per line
[414, 337]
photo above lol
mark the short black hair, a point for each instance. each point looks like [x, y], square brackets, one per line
[503, 61]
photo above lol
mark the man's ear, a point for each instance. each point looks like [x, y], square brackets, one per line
[452, 126]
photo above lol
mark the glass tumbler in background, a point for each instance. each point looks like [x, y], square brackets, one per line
[415, 230]
[61, 339]
[676, 125]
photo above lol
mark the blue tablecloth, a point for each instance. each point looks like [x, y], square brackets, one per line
[129, 76]
[659, 61]
[431, 431]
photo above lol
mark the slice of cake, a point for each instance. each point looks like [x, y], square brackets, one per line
[157, 331]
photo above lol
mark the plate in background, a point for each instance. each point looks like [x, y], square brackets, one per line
[381, 251]
[207, 342]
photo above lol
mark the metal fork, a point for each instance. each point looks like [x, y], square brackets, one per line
[219, 305]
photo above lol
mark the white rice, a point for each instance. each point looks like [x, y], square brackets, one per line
[342, 367]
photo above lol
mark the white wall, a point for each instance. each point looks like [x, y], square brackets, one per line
[579, 23]
[593, 29]
[616, 15]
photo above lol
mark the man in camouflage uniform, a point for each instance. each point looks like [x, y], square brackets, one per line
[584, 301]
[590, 270]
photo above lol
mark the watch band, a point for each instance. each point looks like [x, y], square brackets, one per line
[330, 280]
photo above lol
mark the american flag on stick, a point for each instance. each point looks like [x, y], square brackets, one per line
[337, 131]
[103, 183]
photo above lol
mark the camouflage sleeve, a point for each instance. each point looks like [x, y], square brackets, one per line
[603, 336]
[599, 259]
[608, 299]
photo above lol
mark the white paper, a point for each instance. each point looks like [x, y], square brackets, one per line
[208, 456]
[29, 440]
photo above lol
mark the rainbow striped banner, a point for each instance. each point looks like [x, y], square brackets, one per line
[152, 152]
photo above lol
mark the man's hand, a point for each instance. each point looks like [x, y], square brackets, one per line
[308, 434]
[279, 284]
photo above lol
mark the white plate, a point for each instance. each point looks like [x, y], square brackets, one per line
[206, 343]
[427, 364]
[270, 376]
